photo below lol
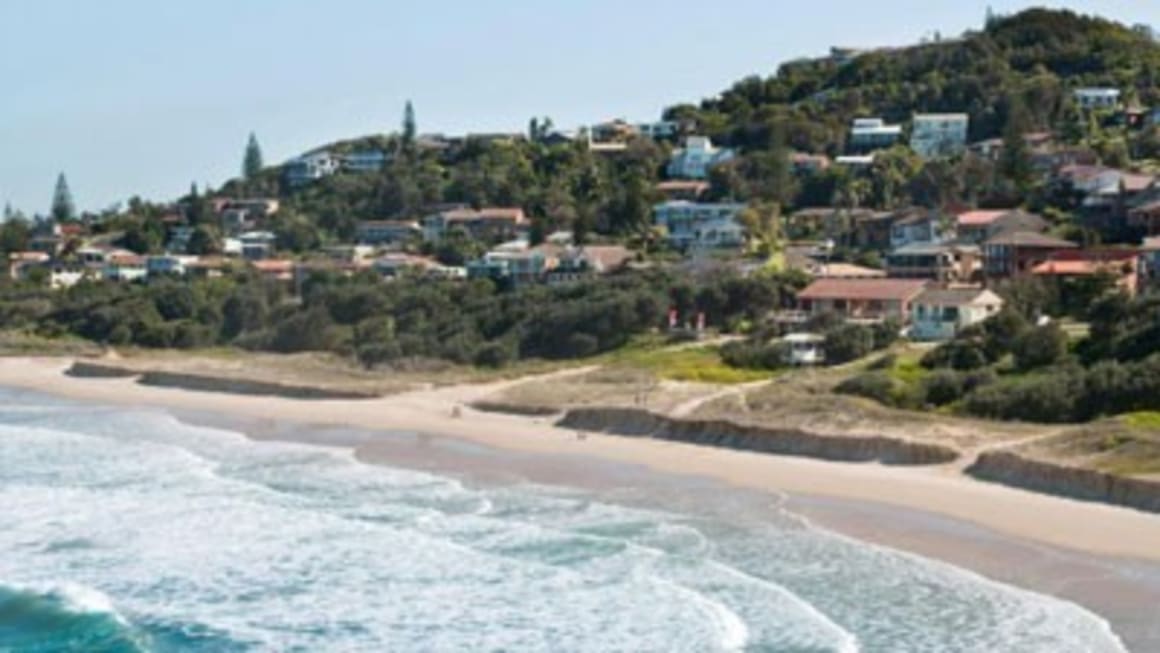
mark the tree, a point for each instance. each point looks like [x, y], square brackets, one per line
[410, 128]
[204, 241]
[1015, 159]
[63, 208]
[762, 222]
[252, 163]
[1040, 347]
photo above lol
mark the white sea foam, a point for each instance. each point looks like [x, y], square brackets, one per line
[293, 547]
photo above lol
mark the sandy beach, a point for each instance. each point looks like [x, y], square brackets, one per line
[1067, 524]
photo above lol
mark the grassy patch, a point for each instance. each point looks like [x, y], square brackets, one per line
[692, 364]
[1142, 420]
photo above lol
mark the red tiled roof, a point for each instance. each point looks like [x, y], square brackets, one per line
[1135, 183]
[864, 289]
[980, 218]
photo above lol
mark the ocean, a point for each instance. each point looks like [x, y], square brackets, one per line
[125, 531]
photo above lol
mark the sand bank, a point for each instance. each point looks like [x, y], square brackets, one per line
[1088, 527]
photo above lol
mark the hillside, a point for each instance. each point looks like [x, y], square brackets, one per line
[1019, 71]
[1037, 56]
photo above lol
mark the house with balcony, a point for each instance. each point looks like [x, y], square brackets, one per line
[311, 167]
[489, 224]
[697, 158]
[690, 225]
[936, 135]
[939, 314]
[862, 300]
[515, 263]
[869, 134]
[257, 245]
[920, 226]
[1015, 253]
[942, 262]
[979, 225]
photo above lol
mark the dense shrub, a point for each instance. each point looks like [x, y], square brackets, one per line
[963, 355]
[943, 387]
[848, 343]
[755, 355]
[1049, 398]
[1039, 347]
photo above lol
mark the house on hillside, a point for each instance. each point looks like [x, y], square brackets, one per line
[366, 161]
[309, 168]
[869, 134]
[579, 263]
[1121, 264]
[980, 225]
[1090, 99]
[939, 314]
[489, 224]
[515, 263]
[868, 300]
[695, 225]
[257, 245]
[943, 262]
[697, 158]
[387, 232]
[935, 135]
[125, 268]
[920, 226]
[1014, 253]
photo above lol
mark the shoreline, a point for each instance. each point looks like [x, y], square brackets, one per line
[1067, 524]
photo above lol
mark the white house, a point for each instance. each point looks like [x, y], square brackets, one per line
[311, 167]
[1097, 98]
[868, 134]
[936, 135]
[941, 313]
[125, 267]
[697, 158]
[690, 224]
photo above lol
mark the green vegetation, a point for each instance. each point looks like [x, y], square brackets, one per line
[701, 364]
[471, 323]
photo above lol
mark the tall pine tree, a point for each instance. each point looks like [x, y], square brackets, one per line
[410, 129]
[252, 164]
[1015, 159]
[63, 208]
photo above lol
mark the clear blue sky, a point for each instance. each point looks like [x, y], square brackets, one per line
[144, 96]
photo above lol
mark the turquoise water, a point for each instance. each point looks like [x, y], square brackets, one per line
[126, 531]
